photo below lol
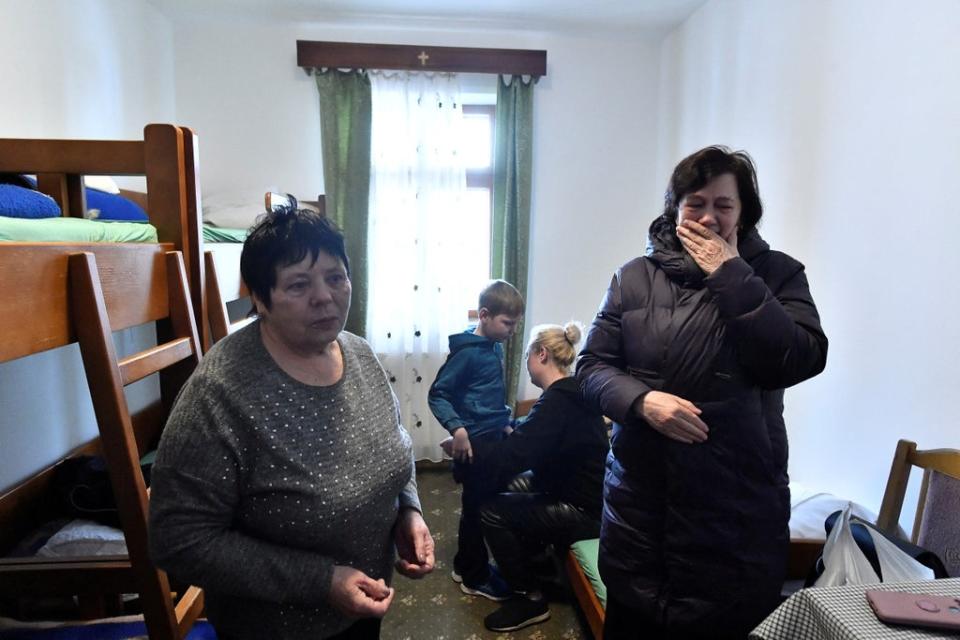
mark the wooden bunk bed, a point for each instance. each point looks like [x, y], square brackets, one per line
[82, 293]
[169, 158]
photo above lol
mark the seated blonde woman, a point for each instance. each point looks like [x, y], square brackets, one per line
[559, 452]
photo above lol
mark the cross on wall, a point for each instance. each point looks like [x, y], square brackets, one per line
[423, 57]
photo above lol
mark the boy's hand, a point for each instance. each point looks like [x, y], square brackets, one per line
[462, 451]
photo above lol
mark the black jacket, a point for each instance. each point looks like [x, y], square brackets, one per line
[563, 441]
[696, 535]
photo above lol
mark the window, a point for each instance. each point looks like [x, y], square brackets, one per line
[431, 188]
[477, 152]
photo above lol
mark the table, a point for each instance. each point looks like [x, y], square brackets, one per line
[843, 613]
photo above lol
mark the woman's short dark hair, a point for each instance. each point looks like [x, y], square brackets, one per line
[284, 237]
[699, 168]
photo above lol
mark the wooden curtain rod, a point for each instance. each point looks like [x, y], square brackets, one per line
[349, 55]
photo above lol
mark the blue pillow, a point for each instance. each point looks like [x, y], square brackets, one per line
[109, 206]
[18, 202]
[114, 207]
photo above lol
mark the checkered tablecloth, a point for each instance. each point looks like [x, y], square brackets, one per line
[843, 613]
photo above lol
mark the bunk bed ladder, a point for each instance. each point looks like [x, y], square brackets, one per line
[107, 375]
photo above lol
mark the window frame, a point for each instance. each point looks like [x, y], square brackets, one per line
[483, 178]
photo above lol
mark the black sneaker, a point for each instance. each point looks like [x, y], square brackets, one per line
[516, 614]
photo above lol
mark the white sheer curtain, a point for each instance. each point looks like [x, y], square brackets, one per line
[417, 243]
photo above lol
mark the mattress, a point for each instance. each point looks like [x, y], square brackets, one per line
[222, 234]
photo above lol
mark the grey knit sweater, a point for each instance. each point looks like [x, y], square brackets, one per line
[262, 484]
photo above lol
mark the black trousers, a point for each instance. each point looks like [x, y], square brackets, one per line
[520, 523]
[471, 560]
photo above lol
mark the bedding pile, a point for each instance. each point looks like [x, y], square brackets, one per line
[27, 215]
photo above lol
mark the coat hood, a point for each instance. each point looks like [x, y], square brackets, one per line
[464, 338]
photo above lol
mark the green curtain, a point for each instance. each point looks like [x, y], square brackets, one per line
[345, 136]
[510, 231]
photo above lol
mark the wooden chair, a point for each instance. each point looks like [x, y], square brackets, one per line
[273, 200]
[944, 461]
[523, 407]
[164, 297]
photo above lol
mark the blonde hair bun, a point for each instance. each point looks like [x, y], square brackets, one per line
[573, 331]
[559, 341]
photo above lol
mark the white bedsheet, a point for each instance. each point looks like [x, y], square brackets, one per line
[84, 538]
[810, 507]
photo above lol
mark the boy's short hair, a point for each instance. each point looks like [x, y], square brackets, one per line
[501, 297]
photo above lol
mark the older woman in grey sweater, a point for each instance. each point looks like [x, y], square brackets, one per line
[284, 484]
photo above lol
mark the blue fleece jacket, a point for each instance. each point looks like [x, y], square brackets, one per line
[469, 390]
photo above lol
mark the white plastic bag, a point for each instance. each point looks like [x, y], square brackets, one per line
[895, 565]
[844, 562]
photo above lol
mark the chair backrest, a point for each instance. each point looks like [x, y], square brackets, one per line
[224, 285]
[943, 461]
[273, 200]
[523, 407]
[162, 295]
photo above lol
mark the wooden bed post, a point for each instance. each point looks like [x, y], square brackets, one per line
[193, 236]
[166, 185]
[68, 190]
[170, 158]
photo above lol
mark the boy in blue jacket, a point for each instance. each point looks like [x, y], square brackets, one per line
[468, 399]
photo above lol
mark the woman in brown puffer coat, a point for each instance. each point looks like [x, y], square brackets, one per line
[689, 355]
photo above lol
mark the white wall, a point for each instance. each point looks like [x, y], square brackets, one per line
[257, 117]
[84, 68]
[852, 111]
[72, 69]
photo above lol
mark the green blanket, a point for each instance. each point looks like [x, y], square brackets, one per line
[221, 234]
[74, 230]
[586, 552]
